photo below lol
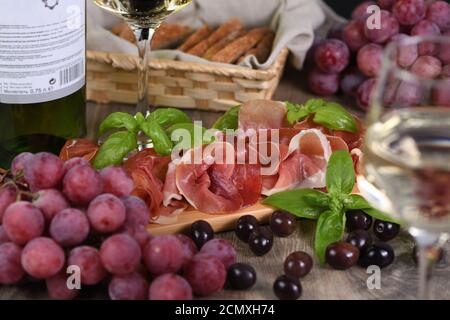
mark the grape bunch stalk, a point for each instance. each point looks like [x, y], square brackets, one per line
[55, 215]
[349, 60]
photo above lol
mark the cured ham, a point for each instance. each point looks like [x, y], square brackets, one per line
[262, 115]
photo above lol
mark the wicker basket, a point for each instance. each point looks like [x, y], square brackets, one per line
[112, 77]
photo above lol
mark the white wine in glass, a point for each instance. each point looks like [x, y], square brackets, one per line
[405, 169]
[144, 17]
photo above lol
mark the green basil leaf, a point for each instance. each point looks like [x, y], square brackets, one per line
[295, 112]
[304, 203]
[312, 105]
[167, 117]
[139, 118]
[118, 120]
[330, 228]
[230, 120]
[115, 149]
[357, 202]
[340, 173]
[161, 142]
[195, 132]
[333, 116]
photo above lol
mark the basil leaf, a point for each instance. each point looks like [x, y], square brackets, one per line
[192, 137]
[139, 118]
[340, 173]
[118, 120]
[161, 142]
[296, 112]
[304, 203]
[115, 148]
[167, 117]
[330, 228]
[333, 116]
[230, 120]
[357, 202]
[312, 105]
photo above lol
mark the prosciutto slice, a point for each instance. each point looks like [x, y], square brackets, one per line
[262, 114]
[218, 186]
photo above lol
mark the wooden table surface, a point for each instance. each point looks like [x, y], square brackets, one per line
[398, 281]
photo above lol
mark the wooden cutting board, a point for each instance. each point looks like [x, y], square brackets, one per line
[220, 223]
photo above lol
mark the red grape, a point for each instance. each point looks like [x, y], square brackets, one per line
[353, 35]
[406, 53]
[189, 247]
[42, 258]
[81, 184]
[23, 222]
[128, 287]
[388, 28]
[120, 254]
[11, 270]
[322, 83]
[50, 202]
[70, 227]
[444, 51]
[19, 161]
[441, 94]
[369, 59]
[72, 163]
[106, 213]
[164, 254]
[386, 4]
[170, 287]
[88, 260]
[427, 67]
[57, 287]
[351, 80]
[137, 212]
[360, 12]
[205, 274]
[439, 13]
[408, 94]
[138, 233]
[409, 12]
[332, 56]
[221, 249]
[116, 181]
[365, 91]
[445, 72]
[3, 236]
[43, 171]
[8, 196]
[309, 59]
[391, 92]
[426, 28]
[335, 31]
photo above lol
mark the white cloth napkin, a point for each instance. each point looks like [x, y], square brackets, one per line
[294, 22]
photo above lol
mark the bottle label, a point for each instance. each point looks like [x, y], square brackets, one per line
[42, 49]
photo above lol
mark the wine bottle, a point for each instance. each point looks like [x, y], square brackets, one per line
[42, 75]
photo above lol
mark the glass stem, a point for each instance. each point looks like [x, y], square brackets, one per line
[144, 38]
[428, 246]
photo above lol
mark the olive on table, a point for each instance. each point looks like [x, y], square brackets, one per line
[341, 255]
[245, 226]
[361, 239]
[261, 241]
[379, 254]
[298, 264]
[358, 220]
[241, 276]
[287, 288]
[283, 224]
[201, 232]
[385, 231]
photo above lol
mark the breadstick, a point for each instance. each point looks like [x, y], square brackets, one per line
[222, 44]
[170, 35]
[238, 47]
[195, 38]
[124, 31]
[262, 50]
[222, 32]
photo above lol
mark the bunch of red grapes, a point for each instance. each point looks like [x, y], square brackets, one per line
[350, 59]
[57, 215]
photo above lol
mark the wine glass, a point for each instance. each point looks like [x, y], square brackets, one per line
[405, 169]
[144, 17]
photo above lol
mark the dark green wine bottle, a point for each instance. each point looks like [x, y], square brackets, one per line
[42, 75]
